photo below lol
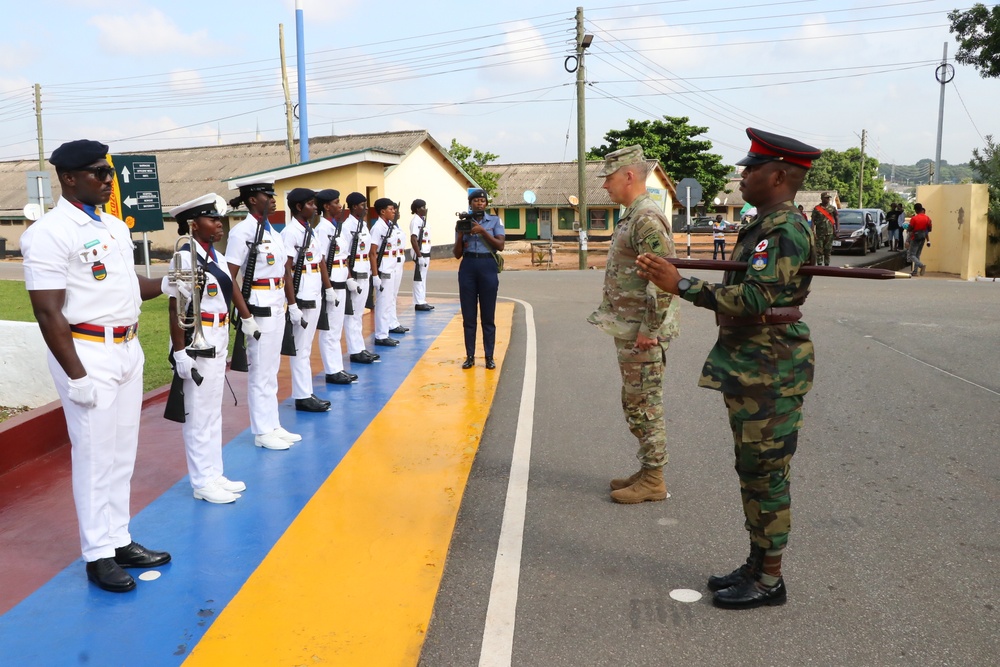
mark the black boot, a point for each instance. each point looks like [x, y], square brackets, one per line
[749, 594]
[746, 572]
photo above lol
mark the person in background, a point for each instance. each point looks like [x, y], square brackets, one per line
[718, 238]
[420, 242]
[335, 248]
[358, 239]
[920, 230]
[825, 225]
[382, 258]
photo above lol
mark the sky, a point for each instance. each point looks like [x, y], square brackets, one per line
[145, 75]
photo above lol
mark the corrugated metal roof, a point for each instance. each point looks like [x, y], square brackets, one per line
[552, 183]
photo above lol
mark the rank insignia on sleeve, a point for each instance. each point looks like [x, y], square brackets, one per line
[761, 247]
[759, 260]
[99, 270]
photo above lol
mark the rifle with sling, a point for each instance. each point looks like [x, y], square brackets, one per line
[381, 248]
[351, 273]
[324, 320]
[288, 340]
[239, 361]
[420, 246]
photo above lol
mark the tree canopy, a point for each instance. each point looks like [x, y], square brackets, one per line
[987, 166]
[841, 170]
[672, 142]
[472, 162]
[977, 30]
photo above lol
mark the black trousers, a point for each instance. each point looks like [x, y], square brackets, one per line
[478, 282]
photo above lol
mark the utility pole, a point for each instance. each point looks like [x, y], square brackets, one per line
[861, 178]
[41, 144]
[289, 141]
[582, 42]
[944, 74]
[300, 66]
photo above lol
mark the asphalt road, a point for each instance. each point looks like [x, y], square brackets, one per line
[894, 548]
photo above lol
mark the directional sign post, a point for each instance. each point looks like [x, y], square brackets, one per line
[135, 196]
[690, 190]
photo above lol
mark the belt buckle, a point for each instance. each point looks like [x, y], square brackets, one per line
[130, 332]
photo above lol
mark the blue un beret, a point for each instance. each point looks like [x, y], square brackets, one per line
[77, 154]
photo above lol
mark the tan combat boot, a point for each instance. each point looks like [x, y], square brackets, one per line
[622, 482]
[649, 486]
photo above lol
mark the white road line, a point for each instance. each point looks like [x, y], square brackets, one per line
[941, 370]
[498, 635]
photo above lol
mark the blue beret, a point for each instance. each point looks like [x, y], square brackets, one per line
[300, 196]
[355, 198]
[476, 194]
[77, 154]
[327, 195]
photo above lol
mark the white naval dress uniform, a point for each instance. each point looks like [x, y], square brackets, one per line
[352, 323]
[308, 298]
[399, 245]
[385, 299]
[92, 261]
[329, 341]
[423, 259]
[202, 428]
[267, 293]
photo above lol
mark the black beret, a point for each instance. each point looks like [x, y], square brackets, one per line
[300, 196]
[769, 147]
[327, 195]
[355, 198]
[476, 194]
[383, 203]
[417, 203]
[76, 154]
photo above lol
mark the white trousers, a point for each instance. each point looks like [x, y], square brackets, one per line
[264, 358]
[103, 441]
[352, 323]
[301, 363]
[385, 305]
[395, 296]
[329, 341]
[420, 286]
[202, 427]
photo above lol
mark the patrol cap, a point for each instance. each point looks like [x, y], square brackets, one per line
[299, 196]
[417, 203]
[77, 154]
[622, 157]
[825, 195]
[196, 208]
[355, 198]
[328, 195]
[382, 204]
[769, 147]
[478, 193]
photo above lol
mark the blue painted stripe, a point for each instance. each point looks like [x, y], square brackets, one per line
[215, 548]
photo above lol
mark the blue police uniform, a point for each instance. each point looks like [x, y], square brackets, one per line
[478, 281]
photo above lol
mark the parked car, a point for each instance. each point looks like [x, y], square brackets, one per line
[857, 231]
[701, 225]
[881, 225]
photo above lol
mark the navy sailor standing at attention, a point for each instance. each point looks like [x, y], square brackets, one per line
[271, 289]
[335, 248]
[80, 275]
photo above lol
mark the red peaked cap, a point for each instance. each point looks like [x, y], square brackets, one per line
[769, 147]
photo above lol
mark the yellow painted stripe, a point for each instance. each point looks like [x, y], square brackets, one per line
[353, 580]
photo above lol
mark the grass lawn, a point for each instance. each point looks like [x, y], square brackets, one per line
[154, 334]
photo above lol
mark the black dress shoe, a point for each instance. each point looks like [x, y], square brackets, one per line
[109, 575]
[469, 363]
[354, 378]
[734, 578]
[426, 307]
[386, 342]
[490, 365]
[340, 377]
[136, 555]
[362, 357]
[749, 594]
[399, 330]
[311, 404]
[321, 400]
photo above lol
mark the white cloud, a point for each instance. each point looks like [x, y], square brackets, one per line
[150, 31]
[525, 55]
[186, 81]
[323, 10]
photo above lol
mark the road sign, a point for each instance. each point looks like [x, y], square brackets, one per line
[32, 182]
[688, 190]
[136, 192]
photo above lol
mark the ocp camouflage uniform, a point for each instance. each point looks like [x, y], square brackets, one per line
[633, 306]
[823, 229]
[763, 370]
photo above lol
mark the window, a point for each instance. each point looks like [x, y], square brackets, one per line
[598, 218]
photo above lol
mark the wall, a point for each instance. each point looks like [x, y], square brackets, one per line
[958, 240]
[23, 355]
[426, 174]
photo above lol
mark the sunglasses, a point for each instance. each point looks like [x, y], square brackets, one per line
[102, 173]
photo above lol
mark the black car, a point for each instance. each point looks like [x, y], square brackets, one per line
[857, 232]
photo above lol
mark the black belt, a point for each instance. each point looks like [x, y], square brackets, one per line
[384, 276]
[478, 255]
[260, 311]
[305, 305]
[425, 254]
[360, 276]
[336, 285]
[774, 315]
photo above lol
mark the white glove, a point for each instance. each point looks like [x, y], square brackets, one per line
[296, 314]
[353, 285]
[83, 392]
[377, 282]
[183, 364]
[249, 327]
[331, 296]
[167, 288]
